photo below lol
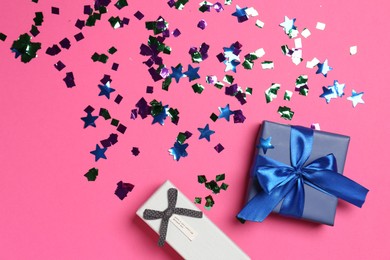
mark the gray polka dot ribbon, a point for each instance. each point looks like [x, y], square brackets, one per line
[150, 214]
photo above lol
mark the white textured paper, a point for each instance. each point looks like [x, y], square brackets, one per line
[183, 226]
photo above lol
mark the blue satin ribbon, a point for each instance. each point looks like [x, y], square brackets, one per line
[280, 181]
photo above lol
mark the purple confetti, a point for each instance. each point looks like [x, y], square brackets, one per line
[65, 43]
[80, 24]
[121, 128]
[79, 37]
[135, 151]
[202, 24]
[52, 51]
[176, 33]
[69, 80]
[118, 99]
[238, 116]
[55, 10]
[149, 89]
[219, 148]
[89, 109]
[139, 15]
[123, 189]
[59, 65]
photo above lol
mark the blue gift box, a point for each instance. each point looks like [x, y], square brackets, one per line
[297, 172]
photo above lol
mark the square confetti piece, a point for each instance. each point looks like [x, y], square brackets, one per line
[320, 26]
[121, 129]
[305, 33]
[139, 15]
[3, 36]
[115, 66]
[219, 148]
[79, 37]
[59, 65]
[55, 10]
[118, 99]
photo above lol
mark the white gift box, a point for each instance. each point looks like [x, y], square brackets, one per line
[192, 238]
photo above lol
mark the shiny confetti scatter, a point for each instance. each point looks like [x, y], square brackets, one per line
[285, 112]
[265, 144]
[25, 48]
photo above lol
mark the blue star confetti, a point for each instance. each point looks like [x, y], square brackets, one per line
[99, 153]
[177, 73]
[328, 94]
[289, 27]
[225, 112]
[323, 68]
[192, 73]
[105, 89]
[356, 98]
[89, 120]
[265, 144]
[240, 14]
[178, 150]
[205, 132]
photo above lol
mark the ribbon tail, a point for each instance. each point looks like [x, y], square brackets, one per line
[339, 186]
[294, 201]
[163, 231]
[261, 205]
[188, 212]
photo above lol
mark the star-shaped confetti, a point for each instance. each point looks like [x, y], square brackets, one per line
[230, 54]
[89, 120]
[205, 132]
[225, 112]
[240, 14]
[105, 90]
[328, 93]
[99, 153]
[231, 65]
[265, 144]
[177, 73]
[339, 88]
[356, 98]
[192, 73]
[160, 117]
[288, 25]
[323, 68]
[178, 150]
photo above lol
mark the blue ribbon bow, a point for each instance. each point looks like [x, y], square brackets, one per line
[280, 181]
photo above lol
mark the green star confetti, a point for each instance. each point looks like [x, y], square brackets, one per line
[198, 88]
[285, 112]
[272, 92]
[92, 174]
[202, 179]
[287, 95]
[198, 200]
[25, 48]
[99, 57]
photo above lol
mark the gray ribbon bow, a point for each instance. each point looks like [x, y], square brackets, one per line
[166, 214]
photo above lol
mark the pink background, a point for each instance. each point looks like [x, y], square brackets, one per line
[48, 208]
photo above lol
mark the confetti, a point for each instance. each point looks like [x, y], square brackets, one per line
[121, 3]
[356, 98]
[198, 200]
[289, 27]
[241, 14]
[224, 186]
[38, 20]
[69, 80]
[99, 153]
[353, 50]
[179, 4]
[272, 92]
[198, 88]
[34, 31]
[139, 15]
[301, 85]
[219, 148]
[267, 65]
[202, 24]
[89, 120]
[265, 144]
[192, 73]
[323, 68]
[285, 112]
[238, 116]
[225, 112]
[287, 95]
[25, 48]
[205, 132]
[118, 99]
[259, 24]
[80, 24]
[92, 174]
[55, 10]
[202, 179]
[123, 189]
[320, 26]
[59, 65]
[315, 126]
[106, 90]
[201, 55]
[305, 33]
[209, 202]
[311, 64]
[220, 177]
[65, 43]
[135, 151]
[104, 113]
[99, 57]
[178, 150]
[158, 27]
[53, 50]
